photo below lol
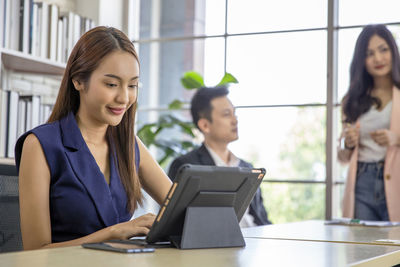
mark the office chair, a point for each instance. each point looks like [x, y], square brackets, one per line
[10, 232]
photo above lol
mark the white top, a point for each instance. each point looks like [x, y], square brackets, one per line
[247, 219]
[369, 150]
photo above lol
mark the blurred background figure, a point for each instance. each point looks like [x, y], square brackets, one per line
[214, 115]
[370, 140]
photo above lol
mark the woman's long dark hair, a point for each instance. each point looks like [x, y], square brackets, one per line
[358, 99]
[86, 56]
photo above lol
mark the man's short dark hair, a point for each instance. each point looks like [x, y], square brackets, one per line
[201, 102]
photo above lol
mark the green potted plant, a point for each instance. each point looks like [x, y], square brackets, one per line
[150, 133]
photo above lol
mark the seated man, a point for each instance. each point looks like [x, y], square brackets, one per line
[214, 115]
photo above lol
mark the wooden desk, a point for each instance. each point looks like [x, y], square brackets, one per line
[258, 252]
[318, 231]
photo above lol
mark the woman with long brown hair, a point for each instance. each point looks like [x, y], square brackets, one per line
[371, 128]
[81, 173]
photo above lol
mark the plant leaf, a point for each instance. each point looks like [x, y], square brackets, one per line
[146, 135]
[176, 104]
[227, 79]
[187, 145]
[168, 153]
[192, 80]
[187, 127]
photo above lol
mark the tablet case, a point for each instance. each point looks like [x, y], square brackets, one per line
[204, 206]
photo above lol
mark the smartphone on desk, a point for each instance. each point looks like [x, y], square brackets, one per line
[117, 246]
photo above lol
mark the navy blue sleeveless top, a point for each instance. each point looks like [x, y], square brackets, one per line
[81, 201]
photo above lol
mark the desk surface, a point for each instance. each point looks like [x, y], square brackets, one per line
[258, 252]
[318, 231]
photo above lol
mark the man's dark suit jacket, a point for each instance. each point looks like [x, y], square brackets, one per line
[201, 156]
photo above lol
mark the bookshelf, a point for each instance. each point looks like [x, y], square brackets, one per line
[18, 61]
[36, 38]
[32, 60]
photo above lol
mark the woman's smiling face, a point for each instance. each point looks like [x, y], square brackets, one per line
[111, 90]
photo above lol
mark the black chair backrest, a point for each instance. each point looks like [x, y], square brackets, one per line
[10, 233]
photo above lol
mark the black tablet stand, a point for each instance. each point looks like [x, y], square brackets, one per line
[209, 227]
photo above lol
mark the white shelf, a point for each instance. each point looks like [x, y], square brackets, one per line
[21, 62]
[8, 161]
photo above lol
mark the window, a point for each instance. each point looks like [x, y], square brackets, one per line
[361, 12]
[279, 51]
[288, 141]
[259, 16]
[282, 68]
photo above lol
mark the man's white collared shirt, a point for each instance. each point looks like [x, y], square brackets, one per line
[247, 219]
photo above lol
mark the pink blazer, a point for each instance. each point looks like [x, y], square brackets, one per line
[391, 171]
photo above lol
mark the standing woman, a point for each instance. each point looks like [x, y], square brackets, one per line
[81, 174]
[371, 128]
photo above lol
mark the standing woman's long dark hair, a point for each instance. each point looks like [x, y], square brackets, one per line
[358, 99]
[86, 56]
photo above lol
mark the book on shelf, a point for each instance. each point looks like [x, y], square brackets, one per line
[64, 39]
[32, 111]
[3, 122]
[53, 36]
[60, 45]
[2, 20]
[35, 113]
[43, 8]
[12, 119]
[70, 30]
[34, 44]
[24, 25]
[21, 117]
[47, 109]
[7, 24]
[14, 25]
[28, 122]
[30, 27]
[76, 30]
